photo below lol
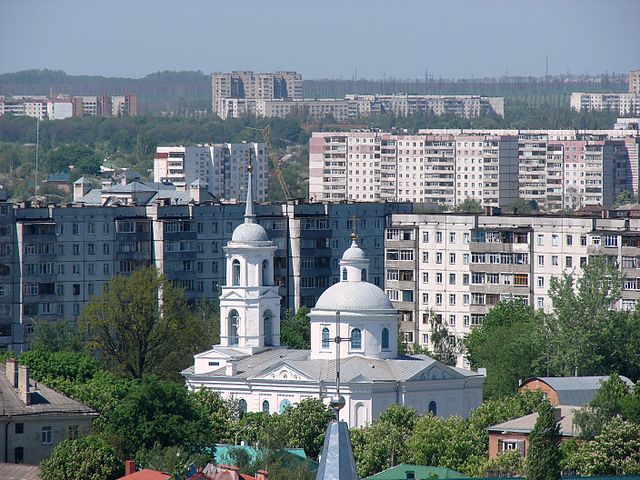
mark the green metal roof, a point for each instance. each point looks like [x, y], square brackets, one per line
[421, 472]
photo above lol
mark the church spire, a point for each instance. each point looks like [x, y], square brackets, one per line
[249, 216]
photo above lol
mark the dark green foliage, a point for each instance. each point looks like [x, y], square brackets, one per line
[509, 345]
[543, 457]
[55, 337]
[88, 458]
[82, 157]
[295, 332]
[469, 205]
[54, 367]
[305, 425]
[174, 460]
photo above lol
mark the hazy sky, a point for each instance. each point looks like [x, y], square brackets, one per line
[322, 38]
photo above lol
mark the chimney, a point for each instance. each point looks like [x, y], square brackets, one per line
[231, 368]
[129, 467]
[11, 370]
[23, 384]
[262, 475]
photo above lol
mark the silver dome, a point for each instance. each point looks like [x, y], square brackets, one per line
[249, 232]
[354, 296]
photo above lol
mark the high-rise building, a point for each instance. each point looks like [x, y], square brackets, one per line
[625, 104]
[219, 166]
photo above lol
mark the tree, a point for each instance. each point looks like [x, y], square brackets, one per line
[88, 458]
[506, 464]
[295, 332]
[509, 344]
[543, 458]
[82, 157]
[305, 424]
[582, 316]
[53, 368]
[142, 324]
[624, 198]
[174, 460]
[55, 336]
[615, 451]
[521, 206]
[469, 205]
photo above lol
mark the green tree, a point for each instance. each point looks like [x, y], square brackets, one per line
[88, 458]
[82, 157]
[55, 336]
[506, 464]
[174, 460]
[625, 197]
[581, 319]
[142, 324]
[521, 206]
[305, 424]
[54, 368]
[509, 344]
[469, 205]
[615, 451]
[295, 332]
[543, 458]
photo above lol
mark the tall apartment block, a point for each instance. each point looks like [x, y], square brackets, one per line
[64, 106]
[556, 169]
[53, 259]
[235, 93]
[625, 104]
[221, 167]
[452, 269]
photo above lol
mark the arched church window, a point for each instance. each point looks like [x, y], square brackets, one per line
[363, 274]
[433, 408]
[234, 323]
[266, 280]
[268, 328]
[243, 405]
[344, 274]
[385, 339]
[265, 406]
[325, 337]
[360, 412]
[356, 339]
[283, 405]
[235, 269]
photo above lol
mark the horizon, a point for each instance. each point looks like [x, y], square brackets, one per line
[410, 39]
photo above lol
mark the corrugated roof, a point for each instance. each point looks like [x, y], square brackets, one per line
[575, 390]
[526, 423]
[399, 472]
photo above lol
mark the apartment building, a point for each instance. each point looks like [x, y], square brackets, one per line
[557, 169]
[625, 104]
[59, 107]
[634, 82]
[54, 259]
[221, 167]
[440, 168]
[452, 269]
[251, 86]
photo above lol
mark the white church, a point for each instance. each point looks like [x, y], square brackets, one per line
[250, 365]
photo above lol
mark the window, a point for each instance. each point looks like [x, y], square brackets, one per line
[541, 282]
[235, 269]
[406, 255]
[520, 279]
[554, 260]
[243, 405]
[283, 405]
[439, 258]
[583, 240]
[465, 299]
[540, 302]
[610, 240]
[425, 277]
[465, 320]
[425, 257]
[425, 237]
[465, 279]
[433, 408]
[452, 320]
[234, 322]
[265, 406]
[356, 339]
[465, 259]
[393, 274]
[452, 279]
[541, 260]
[540, 240]
[344, 274]
[438, 299]
[452, 299]
[569, 240]
[439, 277]
[467, 237]
[568, 262]
[18, 455]
[452, 237]
[19, 428]
[385, 339]
[554, 240]
[46, 436]
[267, 324]
[438, 237]
[583, 262]
[407, 295]
[73, 432]
[452, 258]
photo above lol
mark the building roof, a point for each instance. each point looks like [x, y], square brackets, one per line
[61, 177]
[81, 180]
[337, 461]
[44, 400]
[526, 423]
[221, 452]
[353, 369]
[574, 390]
[354, 296]
[146, 474]
[354, 252]
[399, 472]
[14, 471]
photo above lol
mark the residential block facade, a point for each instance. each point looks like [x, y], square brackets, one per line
[221, 167]
[556, 169]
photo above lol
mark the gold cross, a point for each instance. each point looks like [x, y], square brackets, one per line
[354, 225]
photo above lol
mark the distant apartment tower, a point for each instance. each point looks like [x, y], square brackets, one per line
[634, 82]
[443, 169]
[624, 104]
[105, 106]
[222, 167]
[251, 86]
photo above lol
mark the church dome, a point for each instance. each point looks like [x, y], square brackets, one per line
[354, 252]
[354, 296]
[249, 232]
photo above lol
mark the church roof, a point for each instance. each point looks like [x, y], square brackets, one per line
[353, 369]
[249, 231]
[350, 296]
[354, 252]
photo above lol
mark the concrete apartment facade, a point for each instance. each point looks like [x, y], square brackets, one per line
[54, 259]
[452, 269]
[60, 107]
[625, 104]
[556, 169]
[220, 167]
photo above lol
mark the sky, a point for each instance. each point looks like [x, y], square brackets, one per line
[322, 38]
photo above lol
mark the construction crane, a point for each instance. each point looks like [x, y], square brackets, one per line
[266, 135]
